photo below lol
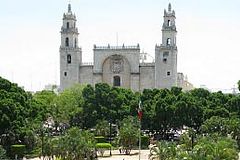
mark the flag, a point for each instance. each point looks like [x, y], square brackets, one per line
[140, 112]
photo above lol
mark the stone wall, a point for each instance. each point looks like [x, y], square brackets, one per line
[162, 67]
[122, 69]
[147, 76]
[69, 72]
[130, 53]
[86, 74]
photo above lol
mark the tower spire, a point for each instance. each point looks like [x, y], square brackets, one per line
[166, 53]
[69, 7]
[70, 52]
[169, 7]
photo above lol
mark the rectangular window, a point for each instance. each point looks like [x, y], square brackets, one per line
[168, 73]
[65, 74]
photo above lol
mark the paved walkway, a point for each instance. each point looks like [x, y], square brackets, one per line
[134, 155]
[117, 156]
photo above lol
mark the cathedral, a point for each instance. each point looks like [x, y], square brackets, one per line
[120, 66]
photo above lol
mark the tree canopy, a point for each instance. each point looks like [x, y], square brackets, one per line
[24, 116]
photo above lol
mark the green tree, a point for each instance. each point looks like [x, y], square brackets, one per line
[107, 103]
[128, 134]
[215, 149]
[148, 107]
[200, 93]
[42, 105]
[16, 114]
[234, 129]
[75, 145]
[233, 105]
[176, 91]
[186, 141]
[90, 114]
[102, 128]
[164, 116]
[67, 105]
[215, 125]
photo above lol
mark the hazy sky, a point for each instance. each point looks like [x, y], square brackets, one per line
[208, 36]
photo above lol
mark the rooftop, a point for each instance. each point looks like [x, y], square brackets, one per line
[108, 47]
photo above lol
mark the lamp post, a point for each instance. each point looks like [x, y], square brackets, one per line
[140, 113]
[110, 137]
[139, 157]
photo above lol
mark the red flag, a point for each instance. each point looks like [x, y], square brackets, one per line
[140, 112]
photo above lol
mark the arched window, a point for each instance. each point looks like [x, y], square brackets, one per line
[169, 23]
[165, 56]
[69, 59]
[169, 41]
[67, 42]
[67, 25]
[116, 81]
[75, 43]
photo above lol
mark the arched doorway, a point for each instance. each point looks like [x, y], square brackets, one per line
[116, 81]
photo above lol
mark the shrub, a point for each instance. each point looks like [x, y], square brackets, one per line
[18, 150]
[100, 139]
[36, 152]
[102, 147]
[2, 153]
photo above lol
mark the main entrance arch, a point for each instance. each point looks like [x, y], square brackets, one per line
[116, 71]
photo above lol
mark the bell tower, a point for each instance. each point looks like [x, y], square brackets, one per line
[166, 53]
[70, 53]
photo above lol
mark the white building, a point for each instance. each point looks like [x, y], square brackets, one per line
[119, 65]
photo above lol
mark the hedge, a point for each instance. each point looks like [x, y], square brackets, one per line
[100, 139]
[18, 150]
[101, 147]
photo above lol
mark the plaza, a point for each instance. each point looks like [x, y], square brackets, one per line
[117, 156]
[133, 156]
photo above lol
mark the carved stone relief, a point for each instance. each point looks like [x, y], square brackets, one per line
[116, 64]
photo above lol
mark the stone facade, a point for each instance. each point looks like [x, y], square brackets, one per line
[183, 83]
[119, 65]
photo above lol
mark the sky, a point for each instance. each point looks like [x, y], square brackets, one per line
[207, 40]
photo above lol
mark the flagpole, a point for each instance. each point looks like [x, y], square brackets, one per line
[139, 139]
[139, 118]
